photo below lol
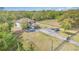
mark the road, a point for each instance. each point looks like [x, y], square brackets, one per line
[57, 35]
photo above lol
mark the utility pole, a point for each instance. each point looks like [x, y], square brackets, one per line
[51, 49]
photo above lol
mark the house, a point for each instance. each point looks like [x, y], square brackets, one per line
[31, 24]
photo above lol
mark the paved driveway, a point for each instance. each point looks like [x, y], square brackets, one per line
[57, 35]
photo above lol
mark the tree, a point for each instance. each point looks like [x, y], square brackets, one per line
[4, 27]
[66, 24]
[9, 42]
[70, 19]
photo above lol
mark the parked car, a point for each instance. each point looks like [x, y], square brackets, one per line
[55, 29]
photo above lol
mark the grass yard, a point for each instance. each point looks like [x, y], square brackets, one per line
[43, 42]
[76, 38]
[68, 47]
[51, 22]
[63, 34]
[46, 21]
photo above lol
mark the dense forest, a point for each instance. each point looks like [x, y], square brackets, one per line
[9, 41]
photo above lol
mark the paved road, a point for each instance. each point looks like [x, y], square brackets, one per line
[57, 35]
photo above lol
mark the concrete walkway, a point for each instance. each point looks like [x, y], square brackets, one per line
[57, 35]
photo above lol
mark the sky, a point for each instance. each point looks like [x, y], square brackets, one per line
[30, 5]
[40, 3]
[34, 8]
